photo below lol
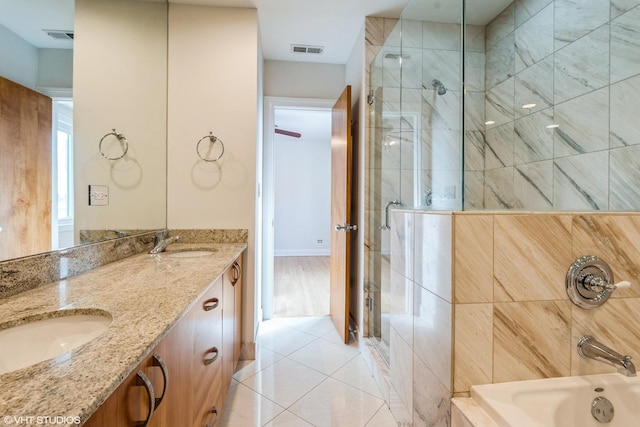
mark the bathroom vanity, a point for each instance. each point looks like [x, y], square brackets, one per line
[167, 357]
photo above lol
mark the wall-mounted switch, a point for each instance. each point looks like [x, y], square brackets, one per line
[98, 195]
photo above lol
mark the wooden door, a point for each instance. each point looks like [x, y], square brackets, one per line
[341, 181]
[25, 171]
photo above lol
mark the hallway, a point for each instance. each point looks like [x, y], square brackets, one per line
[301, 286]
[303, 376]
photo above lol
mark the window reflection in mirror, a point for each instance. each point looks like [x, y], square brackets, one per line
[63, 197]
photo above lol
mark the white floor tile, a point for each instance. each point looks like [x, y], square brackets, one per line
[334, 403]
[324, 356]
[334, 337]
[284, 340]
[356, 374]
[287, 419]
[382, 418]
[304, 376]
[317, 326]
[285, 381]
[264, 359]
[244, 407]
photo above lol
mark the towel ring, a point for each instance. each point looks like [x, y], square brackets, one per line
[212, 140]
[121, 138]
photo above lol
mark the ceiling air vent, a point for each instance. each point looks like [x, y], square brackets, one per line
[301, 48]
[60, 34]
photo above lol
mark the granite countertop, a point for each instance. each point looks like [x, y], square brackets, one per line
[145, 295]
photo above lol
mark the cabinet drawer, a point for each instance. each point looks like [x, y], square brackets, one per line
[207, 356]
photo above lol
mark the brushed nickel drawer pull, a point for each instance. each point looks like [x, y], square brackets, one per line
[157, 361]
[215, 352]
[214, 411]
[143, 380]
[237, 272]
[210, 304]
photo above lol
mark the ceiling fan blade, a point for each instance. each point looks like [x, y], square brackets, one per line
[288, 133]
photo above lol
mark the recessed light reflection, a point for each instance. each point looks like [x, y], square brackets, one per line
[389, 144]
[553, 126]
[489, 122]
[528, 105]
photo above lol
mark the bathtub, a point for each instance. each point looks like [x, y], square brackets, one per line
[562, 402]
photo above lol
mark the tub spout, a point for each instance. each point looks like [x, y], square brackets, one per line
[590, 348]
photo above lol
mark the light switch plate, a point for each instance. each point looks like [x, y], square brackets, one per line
[98, 195]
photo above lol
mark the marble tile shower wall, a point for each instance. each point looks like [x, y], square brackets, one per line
[512, 317]
[421, 318]
[430, 151]
[578, 148]
[480, 298]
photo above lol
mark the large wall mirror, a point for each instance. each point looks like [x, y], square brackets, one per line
[102, 66]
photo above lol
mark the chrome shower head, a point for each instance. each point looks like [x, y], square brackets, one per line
[438, 85]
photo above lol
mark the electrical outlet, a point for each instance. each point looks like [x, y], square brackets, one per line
[98, 195]
[319, 240]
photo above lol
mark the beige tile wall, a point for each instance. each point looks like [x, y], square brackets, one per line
[480, 298]
[512, 317]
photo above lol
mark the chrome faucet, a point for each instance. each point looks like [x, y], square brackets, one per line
[589, 347]
[161, 241]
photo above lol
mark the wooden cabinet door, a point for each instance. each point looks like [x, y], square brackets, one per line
[128, 405]
[228, 328]
[170, 370]
[237, 321]
[196, 356]
[207, 356]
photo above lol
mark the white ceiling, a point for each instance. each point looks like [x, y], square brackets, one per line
[333, 24]
[27, 18]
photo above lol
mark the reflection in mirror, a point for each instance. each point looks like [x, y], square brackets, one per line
[113, 58]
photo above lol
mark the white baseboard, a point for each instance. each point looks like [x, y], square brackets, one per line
[302, 252]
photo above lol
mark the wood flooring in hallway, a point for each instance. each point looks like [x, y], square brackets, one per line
[301, 286]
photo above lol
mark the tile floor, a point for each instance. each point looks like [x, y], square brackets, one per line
[304, 376]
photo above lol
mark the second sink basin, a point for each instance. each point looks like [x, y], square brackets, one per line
[38, 340]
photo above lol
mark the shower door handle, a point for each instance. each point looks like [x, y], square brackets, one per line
[346, 227]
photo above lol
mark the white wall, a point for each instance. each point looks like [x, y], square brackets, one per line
[303, 79]
[213, 87]
[120, 74]
[34, 68]
[18, 59]
[302, 192]
[354, 69]
[55, 68]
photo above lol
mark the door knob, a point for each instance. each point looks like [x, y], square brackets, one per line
[346, 227]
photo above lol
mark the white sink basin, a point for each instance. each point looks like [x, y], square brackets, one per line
[189, 254]
[29, 343]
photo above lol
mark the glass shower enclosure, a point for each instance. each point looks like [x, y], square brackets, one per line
[543, 120]
[414, 159]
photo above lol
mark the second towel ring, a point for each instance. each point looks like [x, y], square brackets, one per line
[121, 138]
[212, 140]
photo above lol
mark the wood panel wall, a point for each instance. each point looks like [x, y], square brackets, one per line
[25, 171]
